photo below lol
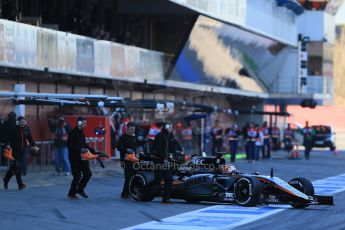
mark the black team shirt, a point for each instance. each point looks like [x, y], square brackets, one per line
[126, 142]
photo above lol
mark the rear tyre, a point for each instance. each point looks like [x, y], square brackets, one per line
[137, 189]
[303, 185]
[247, 191]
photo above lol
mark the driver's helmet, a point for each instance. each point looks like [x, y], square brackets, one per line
[228, 169]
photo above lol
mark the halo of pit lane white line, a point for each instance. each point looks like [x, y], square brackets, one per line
[211, 179]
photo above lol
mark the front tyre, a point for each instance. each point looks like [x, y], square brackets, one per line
[247, 191]
[302, 185]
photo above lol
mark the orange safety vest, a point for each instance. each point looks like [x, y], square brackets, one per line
[154, 130]
[187, 134]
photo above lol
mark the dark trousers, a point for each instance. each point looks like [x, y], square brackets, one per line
[166, 175]
[250, 150]
[275, 144]
[79, 181]
[14, 170]
[266, 151]
[233, 149]
[128, 171]
[288, 144]
[308, 147]
[217, 146]
[25, 161]
[246, 149]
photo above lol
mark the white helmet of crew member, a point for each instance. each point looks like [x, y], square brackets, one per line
[167, 126]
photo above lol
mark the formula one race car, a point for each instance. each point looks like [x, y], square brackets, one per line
[226, 185]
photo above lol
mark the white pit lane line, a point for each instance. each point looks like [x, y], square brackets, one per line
[231, 216]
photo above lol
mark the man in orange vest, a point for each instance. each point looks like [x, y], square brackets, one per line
[80, 168]
[19, 140]
[187, 137]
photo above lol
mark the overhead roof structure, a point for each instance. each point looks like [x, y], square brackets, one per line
[50, 99]
[31, 98]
